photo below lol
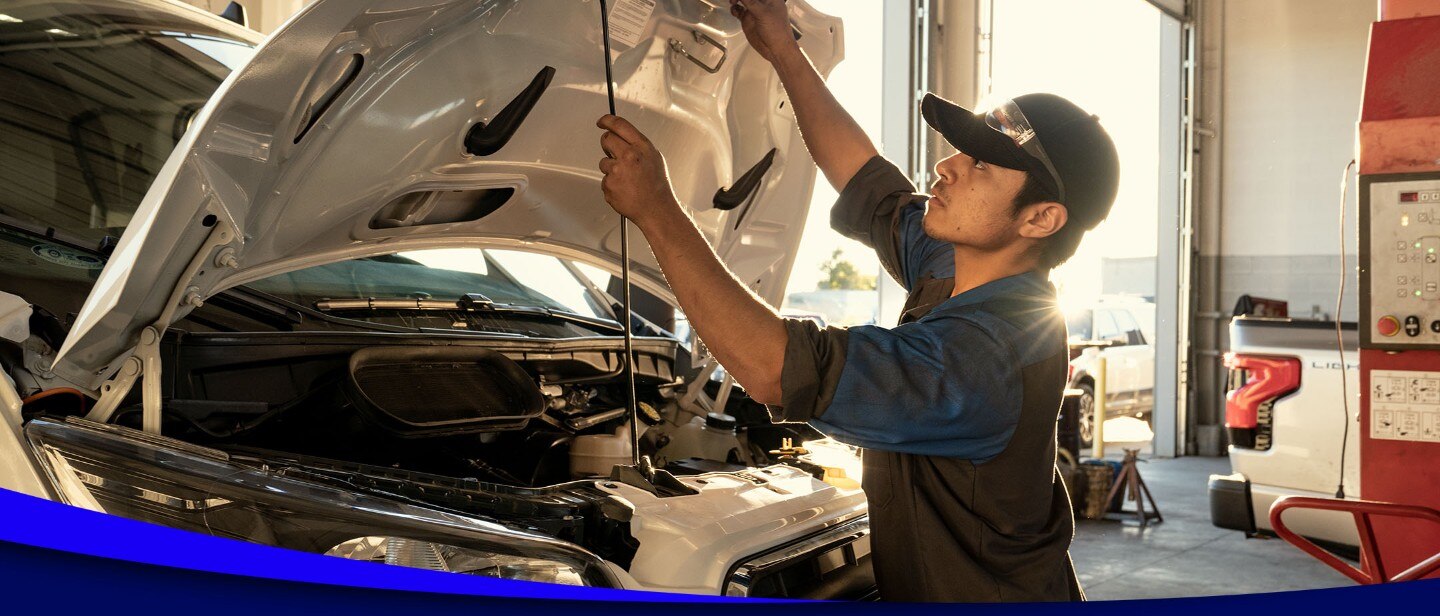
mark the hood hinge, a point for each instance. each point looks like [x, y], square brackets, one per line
[145, 361]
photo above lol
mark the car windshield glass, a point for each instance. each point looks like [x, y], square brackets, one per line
[95, 96]
[1105, 328]
[502, 276]
[1128, 327]
[1078, 324]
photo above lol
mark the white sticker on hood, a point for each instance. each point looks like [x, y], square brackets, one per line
[67, 257]
[628, 19]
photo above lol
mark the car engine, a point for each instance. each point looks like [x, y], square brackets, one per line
[506, 429]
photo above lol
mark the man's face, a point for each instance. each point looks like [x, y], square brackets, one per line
[971, 203]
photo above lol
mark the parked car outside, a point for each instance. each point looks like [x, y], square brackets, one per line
[1114, 329]
[839, 307]
[353, 306]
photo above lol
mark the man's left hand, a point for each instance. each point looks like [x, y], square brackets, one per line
[636, 181]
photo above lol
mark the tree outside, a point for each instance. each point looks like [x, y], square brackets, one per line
[841, 275]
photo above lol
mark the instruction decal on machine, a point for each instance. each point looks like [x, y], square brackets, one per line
[1405, 405]
[628, 19]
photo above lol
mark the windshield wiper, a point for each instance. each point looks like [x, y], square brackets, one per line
[468, 303]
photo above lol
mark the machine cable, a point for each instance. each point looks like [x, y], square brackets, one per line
[1339, 335]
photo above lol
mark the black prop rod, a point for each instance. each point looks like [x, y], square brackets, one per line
[625, 320]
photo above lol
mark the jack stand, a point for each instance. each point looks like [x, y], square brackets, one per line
[1135, 490]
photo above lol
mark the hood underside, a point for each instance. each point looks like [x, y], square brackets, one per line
[346, 136]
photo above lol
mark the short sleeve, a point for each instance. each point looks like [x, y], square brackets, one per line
[814, 358]
[947, 387]
[879, 208]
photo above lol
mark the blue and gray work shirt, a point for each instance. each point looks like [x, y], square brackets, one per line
[955, 409]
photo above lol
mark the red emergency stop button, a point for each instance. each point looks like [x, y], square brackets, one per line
[1388, 326]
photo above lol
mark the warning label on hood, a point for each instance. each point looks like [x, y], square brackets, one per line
[628, 19]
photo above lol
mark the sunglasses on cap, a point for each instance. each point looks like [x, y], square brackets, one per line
[1007, 119]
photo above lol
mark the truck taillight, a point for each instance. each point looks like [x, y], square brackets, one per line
[1256, 382]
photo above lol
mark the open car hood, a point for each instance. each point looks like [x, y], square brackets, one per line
[365, 127]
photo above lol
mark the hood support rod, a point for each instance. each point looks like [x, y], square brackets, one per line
[625, 319]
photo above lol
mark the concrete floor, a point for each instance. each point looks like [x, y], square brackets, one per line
[1185, 555]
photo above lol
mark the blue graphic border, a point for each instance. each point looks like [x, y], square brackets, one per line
[61, 558]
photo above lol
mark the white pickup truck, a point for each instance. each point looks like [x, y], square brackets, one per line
[1286, 422]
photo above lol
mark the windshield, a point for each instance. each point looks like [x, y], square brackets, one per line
[1077, 323]
[95, 96]
[506, 277]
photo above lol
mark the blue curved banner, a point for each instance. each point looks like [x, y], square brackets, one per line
[40, 523]
[64, 559]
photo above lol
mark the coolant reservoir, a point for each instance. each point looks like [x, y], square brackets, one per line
[709, 438]
[597, 454]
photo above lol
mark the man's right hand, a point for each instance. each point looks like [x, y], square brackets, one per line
[766, 24]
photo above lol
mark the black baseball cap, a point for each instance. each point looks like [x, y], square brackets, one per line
[1086, 168]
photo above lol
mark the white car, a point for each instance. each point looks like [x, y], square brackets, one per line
[1117, 330]
[355, 306]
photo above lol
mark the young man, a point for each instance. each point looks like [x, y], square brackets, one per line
[956, 407]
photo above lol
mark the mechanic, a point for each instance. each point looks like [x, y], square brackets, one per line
[955, 408]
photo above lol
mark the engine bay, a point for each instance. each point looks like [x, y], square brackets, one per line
[277, 420]
[498, 410]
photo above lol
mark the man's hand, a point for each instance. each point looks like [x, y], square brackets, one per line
[766, 24]
[636, 182]
[743, 333]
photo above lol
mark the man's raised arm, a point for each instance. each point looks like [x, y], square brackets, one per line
[836, 142]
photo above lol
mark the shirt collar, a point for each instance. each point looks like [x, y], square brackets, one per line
[1030, 283]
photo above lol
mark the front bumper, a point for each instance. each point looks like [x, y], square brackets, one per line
[1231, 503]
[831, 564]
[693, 543]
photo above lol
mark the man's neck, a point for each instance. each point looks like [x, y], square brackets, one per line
[975, 267]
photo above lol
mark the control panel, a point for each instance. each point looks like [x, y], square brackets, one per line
[1400, 253]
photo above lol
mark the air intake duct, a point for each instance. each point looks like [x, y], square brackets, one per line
[429, 391]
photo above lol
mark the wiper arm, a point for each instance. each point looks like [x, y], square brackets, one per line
[370, 304]
[475, 302]
[470, 302]
[562, 315]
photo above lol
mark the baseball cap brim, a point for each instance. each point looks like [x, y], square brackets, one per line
[968, 133]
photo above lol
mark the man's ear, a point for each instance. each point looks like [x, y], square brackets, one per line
[1041, 220]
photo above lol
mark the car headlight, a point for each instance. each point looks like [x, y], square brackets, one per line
[152, 478]
[441, 557]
